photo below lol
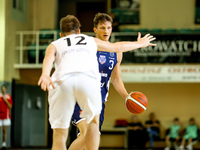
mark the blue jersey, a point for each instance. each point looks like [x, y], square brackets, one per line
[107, 61]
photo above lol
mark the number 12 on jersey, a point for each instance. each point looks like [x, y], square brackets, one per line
[81, 41]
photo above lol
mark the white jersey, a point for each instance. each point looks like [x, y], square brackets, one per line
[75, 53]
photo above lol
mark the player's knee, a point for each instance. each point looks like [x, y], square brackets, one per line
[82, 126]
[60, 134]
[95, 120]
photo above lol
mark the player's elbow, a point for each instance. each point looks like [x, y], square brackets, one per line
[118, 48]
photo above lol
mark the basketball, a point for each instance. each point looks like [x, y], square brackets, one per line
[136, 102]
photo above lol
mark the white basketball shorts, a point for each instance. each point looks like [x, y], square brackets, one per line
[5, 122]
[80, 88]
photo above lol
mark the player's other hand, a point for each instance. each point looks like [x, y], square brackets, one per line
[44, 82]
[146, 40]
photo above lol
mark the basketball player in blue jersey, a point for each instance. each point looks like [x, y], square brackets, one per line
[76, 79]
[109, 68]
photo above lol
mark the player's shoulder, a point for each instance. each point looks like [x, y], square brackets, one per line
[81, 34]
[58, 40]
[8, 96]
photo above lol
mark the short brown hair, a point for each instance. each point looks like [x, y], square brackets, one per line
[101, 17]
[69, 23]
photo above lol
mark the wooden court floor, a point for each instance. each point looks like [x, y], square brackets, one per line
[50, 149]
[99, 149]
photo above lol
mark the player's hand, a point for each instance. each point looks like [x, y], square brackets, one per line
[146, 40]
[44, 82]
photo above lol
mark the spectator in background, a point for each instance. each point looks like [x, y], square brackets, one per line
[153, 128]
[191, 135]
[5, 106]
[137, 135]
[174, 134]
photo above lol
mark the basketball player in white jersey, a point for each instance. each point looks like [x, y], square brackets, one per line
[76, 79]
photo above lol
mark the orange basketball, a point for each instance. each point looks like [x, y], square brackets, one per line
[136, 102]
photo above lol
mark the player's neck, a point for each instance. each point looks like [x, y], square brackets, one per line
[68, 33]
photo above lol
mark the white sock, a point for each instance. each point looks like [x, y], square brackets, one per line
[4, 144]
[166, 148]
[181, 147]
[189, 145]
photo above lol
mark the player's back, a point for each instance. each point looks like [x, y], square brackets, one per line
[74, 54]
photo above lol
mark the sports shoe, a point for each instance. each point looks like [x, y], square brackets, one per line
[176, 146]
[3, 148]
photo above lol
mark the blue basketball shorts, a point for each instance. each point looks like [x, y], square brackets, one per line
[76, 115]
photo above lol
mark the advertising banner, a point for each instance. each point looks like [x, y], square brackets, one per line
[160, 73]
[177, 48]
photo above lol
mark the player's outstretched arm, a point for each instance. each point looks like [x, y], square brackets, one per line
[125, 46]
[49, 58]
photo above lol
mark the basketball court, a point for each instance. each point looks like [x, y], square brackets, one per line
[99, 149]
[50, 149]
[168, 74]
